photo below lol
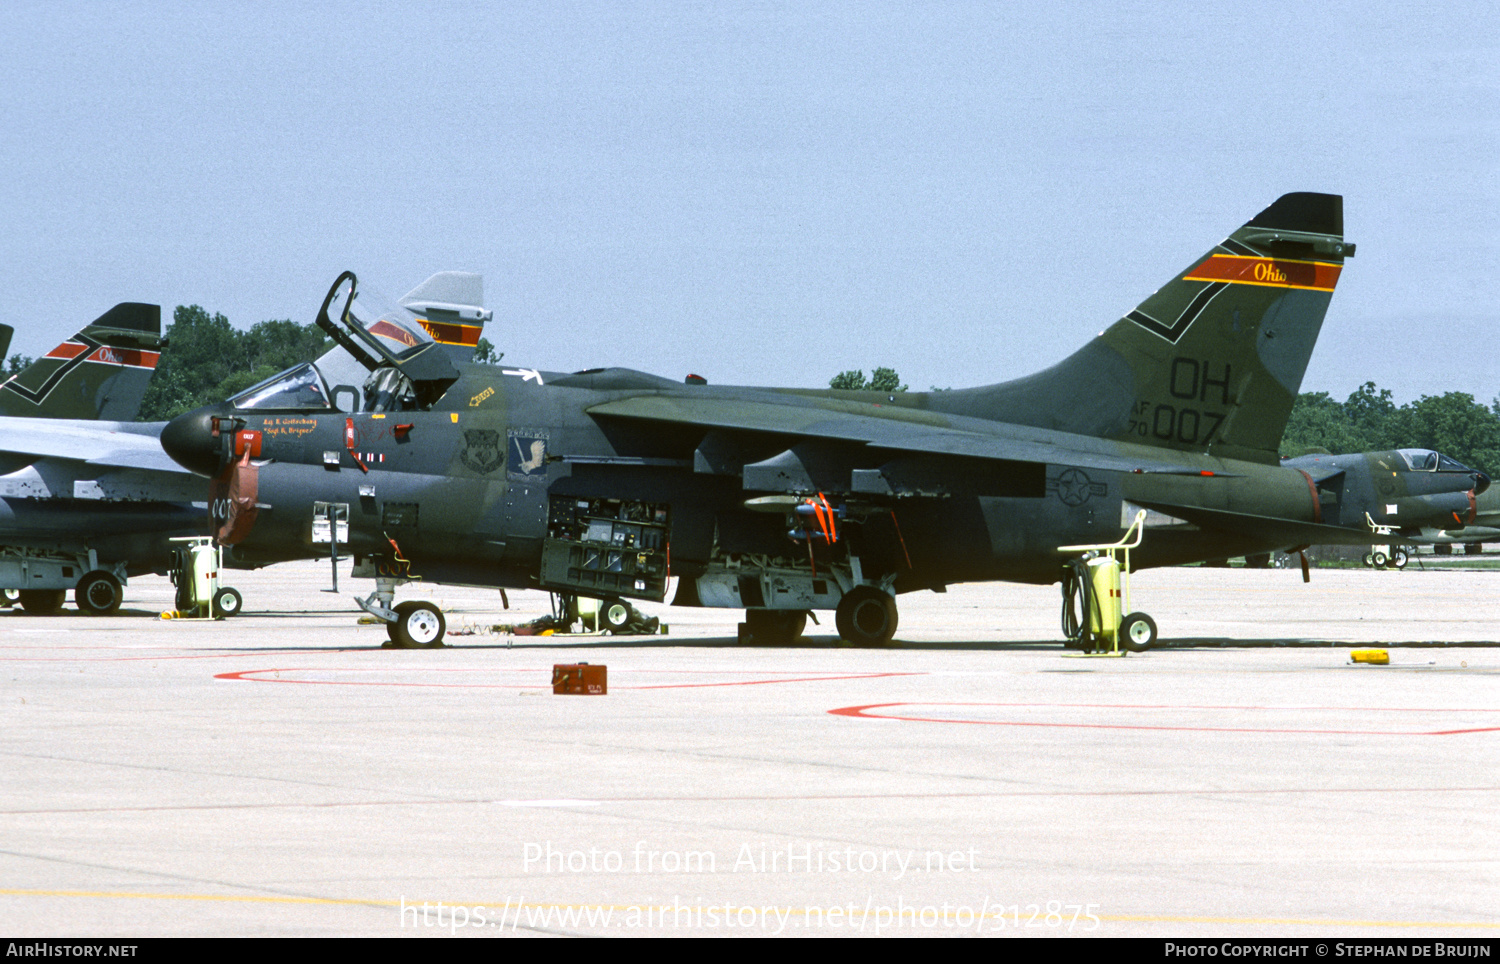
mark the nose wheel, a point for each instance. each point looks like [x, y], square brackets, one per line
[418, 625]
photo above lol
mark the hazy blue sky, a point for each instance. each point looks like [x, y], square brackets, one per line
[762, 193]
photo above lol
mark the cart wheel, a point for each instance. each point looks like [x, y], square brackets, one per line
[227, 602]
[1137, 632]
[1378, 560]
[614, 614]
[1400, 559]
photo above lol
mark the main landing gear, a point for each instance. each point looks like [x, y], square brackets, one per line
[866, 616]
[772, 627]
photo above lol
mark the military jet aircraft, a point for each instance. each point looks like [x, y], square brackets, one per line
[608, 482]
[1404, 489]
[87, 497]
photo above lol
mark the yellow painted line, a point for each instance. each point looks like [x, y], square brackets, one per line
[222, 898]
[814, 908]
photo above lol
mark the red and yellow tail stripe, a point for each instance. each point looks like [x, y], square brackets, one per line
[445, 333]
[1267, 272]
[126, 357]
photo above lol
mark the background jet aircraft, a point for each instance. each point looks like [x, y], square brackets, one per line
[84, 505]
[1404, 489]
[606, 482]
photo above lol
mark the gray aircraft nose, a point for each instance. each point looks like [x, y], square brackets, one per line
[190, 440]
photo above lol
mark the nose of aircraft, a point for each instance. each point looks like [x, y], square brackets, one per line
[192, 443]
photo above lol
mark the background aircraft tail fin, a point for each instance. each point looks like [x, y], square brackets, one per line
[1211, 362]
[450, 306]
[102, 372]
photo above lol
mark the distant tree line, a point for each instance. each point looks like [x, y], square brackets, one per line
[1453, 423]
[207, 360]
[880, 380]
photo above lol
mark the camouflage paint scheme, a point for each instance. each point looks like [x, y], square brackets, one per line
[793, 500]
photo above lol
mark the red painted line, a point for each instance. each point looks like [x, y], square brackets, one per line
[758, 682]
[861, 712]
[255, 676]
[68, 349]
[127, 659]
[1211, 706]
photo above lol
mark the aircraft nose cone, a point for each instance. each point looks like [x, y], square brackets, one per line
[190, 441]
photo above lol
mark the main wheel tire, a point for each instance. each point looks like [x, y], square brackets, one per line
[774, 627]
[43, 602]
[228, 602]
[1137, 632]
[418, 625]
[98, 593]
[614, 615]
[866, 616]
[1258, 560]
[9, 597]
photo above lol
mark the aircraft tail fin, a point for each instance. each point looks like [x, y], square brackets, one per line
[102, 372]
[450, 306]
[1211, 362]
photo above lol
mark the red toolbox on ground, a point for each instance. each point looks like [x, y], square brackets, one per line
[581, 678]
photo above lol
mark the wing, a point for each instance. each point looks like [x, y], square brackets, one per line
[62, 458]
[107, 444]
[896, 430]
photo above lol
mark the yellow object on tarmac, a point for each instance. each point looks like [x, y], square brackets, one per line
[1377, 657]
[1104, 619]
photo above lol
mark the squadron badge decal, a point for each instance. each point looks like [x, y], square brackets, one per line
[481, 450]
